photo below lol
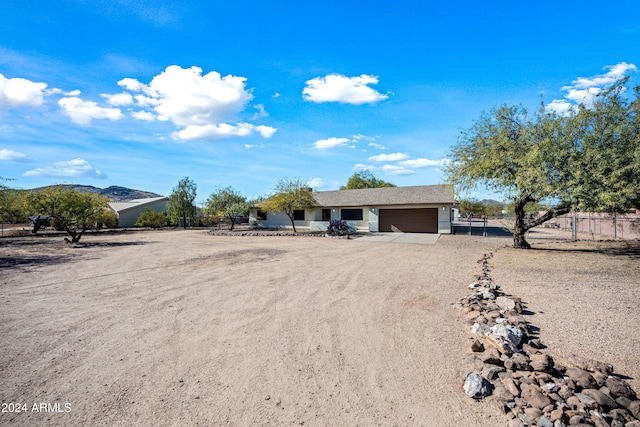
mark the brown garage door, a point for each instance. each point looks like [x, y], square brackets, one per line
[424, 220]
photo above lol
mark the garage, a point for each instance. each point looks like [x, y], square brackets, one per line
[422, 220]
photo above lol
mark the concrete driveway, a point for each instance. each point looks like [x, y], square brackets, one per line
[417, 238]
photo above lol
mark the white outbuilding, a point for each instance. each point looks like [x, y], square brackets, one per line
[129, 211]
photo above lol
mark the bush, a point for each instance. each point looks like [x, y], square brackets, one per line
[108, 219]
[152, 219]
[338, 227]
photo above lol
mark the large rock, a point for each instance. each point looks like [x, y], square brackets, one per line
[506, 303]
[507, 331]
[602, 399]
[581, 377]
[590, 364]
[505, 337]
[511, 385]
[619, 387]
[477, 386]
[480, 329]
[541, 362]
[534, 398]
[517, 362]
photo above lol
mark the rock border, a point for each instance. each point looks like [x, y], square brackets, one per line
[278, 233]
[511, 365]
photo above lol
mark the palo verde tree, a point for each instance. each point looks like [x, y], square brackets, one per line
[13, 206]
[290, 195]
[181, 205]
[228, 203]
[75, 211]
[471, 207]
[365, 179]
[511, 153]
[585, 160]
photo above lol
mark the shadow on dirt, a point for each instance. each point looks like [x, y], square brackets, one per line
[628, 249]
[479, 230]
[82, 245]
[29, 260]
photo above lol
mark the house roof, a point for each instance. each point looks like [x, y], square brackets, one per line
[414, 195]
[121, 206]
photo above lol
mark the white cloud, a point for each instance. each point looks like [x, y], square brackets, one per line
[250, 146]
[394, 157]
[615, 73]
[73, 169]
[119, 99]
[396, 170]
[363, 167]
[13, 156]
[422, 163]
[332, 142]
[561, 107]
[82, 112]
[143, 115]
[378, 146]
[131, 84]
[584, 90]
[222, 130]
[19, 92]
[200, 104]
[265, 131]
[339, 88]
[260, 113]
[316, 183]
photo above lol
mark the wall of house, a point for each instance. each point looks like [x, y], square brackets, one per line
[444, 219]
[127, 217]
[370, 218]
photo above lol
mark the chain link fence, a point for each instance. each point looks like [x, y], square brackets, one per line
[601, 225]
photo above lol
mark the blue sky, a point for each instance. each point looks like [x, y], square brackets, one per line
[142, 93]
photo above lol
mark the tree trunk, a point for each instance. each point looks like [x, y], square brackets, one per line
[519, 242]
[290, 215]
[521, 227]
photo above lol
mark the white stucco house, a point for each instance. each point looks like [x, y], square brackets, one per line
[415, 209]
[129, 211]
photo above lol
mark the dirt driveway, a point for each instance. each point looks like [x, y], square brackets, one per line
[183, 328]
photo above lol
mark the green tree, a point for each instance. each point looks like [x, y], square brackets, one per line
[74, 211]
[503, 151]
[181, 205]
[586, 160]
[290, 195]
[228, 203]
[365, 179]
[151, 218]
[471, 207]
[13, 206]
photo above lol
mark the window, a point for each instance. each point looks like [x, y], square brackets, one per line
[262, 215]
[326, 214]
[351, 214]
[298, 215]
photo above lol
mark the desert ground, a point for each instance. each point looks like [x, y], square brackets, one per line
[184, 328]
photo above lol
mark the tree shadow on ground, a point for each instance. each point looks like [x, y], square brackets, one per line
[107, 244]
[479, 230]
[29, 260]
[628, 249]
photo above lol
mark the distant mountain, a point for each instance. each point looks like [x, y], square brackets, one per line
[491, 202]
[114, 192]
